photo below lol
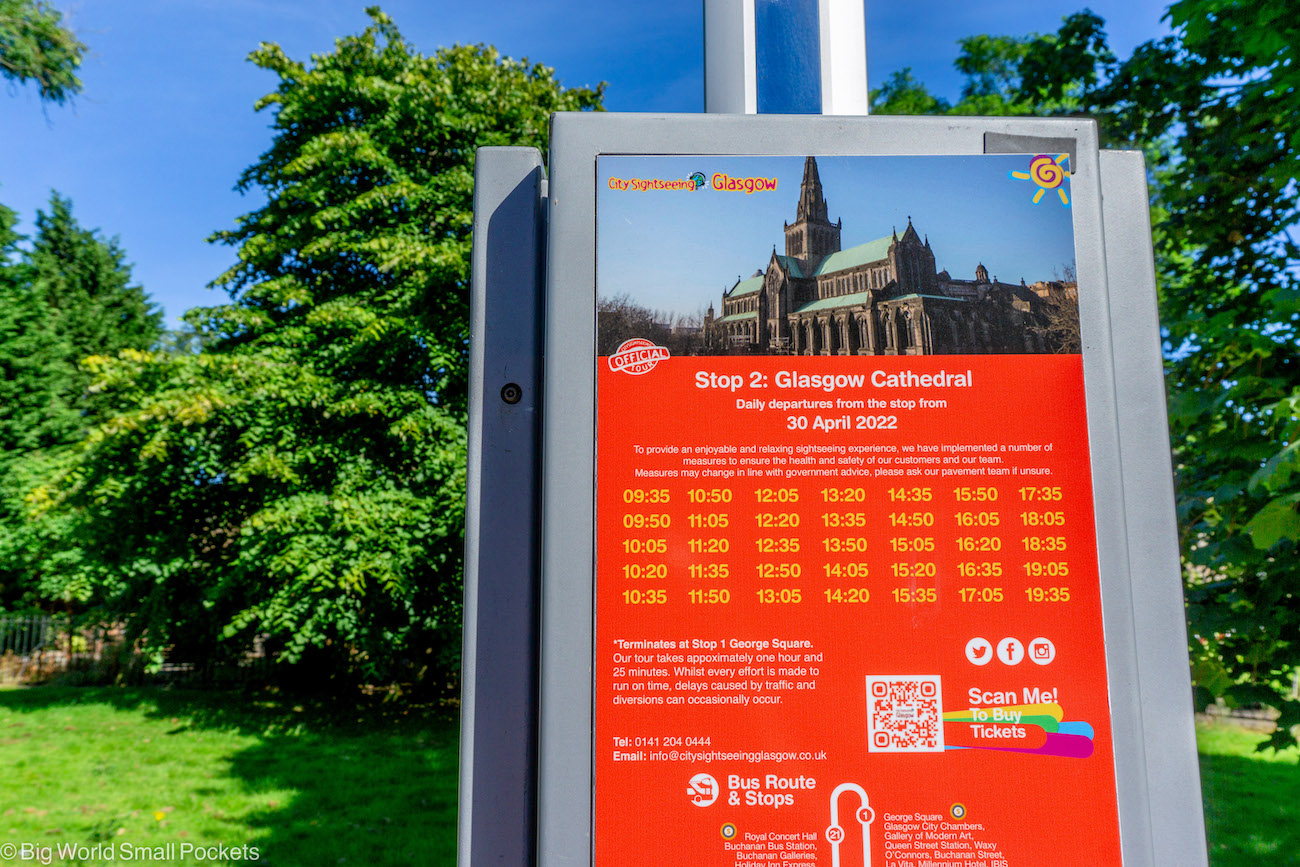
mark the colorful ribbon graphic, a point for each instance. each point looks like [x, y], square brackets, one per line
[1039, 729]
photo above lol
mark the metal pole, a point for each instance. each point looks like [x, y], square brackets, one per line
[844, 56]
[785, 57]
[730, 74]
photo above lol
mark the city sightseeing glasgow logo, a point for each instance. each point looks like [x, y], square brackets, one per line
[727, 184]
[637, 356]
[1045, 171]
[719, 181]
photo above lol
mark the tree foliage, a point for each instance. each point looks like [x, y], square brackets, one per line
[300, 480]
[620, 318]
[35, 376]
[67, 298]
[1215, 108]
[36, 47]
[82, 284]
[1231, 301]
[902, 93]
[1038, 74]
[1060, 320]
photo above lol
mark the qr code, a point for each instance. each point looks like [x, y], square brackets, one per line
[904, 714]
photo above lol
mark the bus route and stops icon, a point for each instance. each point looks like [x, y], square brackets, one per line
[702, 790]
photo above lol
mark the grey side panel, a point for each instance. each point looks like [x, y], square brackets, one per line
[499, 677]
[568, 506]
[1100, 376]
[1177, 822]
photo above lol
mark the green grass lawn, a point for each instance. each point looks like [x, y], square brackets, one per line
[1252, 799]
[306, 785]
[319, 785]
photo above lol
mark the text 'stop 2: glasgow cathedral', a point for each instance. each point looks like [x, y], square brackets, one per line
[883, 297]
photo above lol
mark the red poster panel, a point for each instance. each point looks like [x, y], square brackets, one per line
[847, 599]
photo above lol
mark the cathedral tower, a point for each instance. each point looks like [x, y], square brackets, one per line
[912, 262]
[812, 236]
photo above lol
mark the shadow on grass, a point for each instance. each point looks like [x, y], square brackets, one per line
[364, 800]
[368, 782]
[1252, 811]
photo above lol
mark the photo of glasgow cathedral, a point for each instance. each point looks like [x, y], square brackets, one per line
[884, 297]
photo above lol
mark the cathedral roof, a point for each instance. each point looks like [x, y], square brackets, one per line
[737, 317]
[850, 300]
[746, 287]
[872, 251]
[791, 265]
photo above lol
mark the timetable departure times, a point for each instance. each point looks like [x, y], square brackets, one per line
[891, 544]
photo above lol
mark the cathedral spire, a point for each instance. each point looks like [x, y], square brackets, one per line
[812, 200]
[812, 236]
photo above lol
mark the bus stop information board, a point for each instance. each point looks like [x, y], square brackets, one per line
[847, 595]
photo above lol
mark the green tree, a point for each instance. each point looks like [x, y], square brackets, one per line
[1215, 108]
[67, 298]
[1041, 74]
[37, 379]
[991, 65]
[301, 478]
[36, 47]
[903, 94]
[35, 374]
[81, 284]
[1222, 95]
[1061, 72]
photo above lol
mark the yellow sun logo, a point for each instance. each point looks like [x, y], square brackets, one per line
[1048, 174]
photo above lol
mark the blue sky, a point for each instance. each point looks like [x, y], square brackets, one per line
[152, 148]
[677, 251]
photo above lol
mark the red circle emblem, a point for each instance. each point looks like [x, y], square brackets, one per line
[637, 356]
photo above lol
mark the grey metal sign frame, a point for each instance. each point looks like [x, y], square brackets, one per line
[498, 756]
[1151, 707]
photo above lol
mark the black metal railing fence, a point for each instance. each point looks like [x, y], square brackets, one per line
[39, 648]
